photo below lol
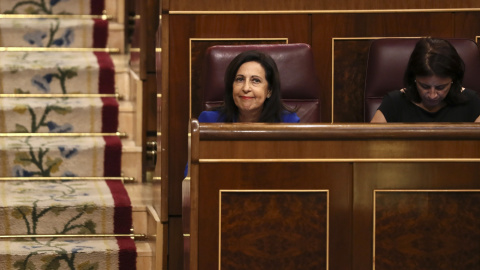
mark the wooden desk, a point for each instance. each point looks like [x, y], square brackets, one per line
[354, 196]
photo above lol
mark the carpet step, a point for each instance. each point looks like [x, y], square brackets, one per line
[53, 33]
[64, 207]
[60, 156]
[59, 115]
[122, 76]
[131, 159]
[71, 254]
[126, 119]
[57, 73]
[141, 196]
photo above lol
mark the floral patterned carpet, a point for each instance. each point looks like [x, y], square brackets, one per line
[60, 207]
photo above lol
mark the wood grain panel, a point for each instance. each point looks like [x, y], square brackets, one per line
[350, 62]
[469, 19]
[336, 178]
[400, 176]
[352, 149]
[427, 230]
[273, 230]
[241, 5]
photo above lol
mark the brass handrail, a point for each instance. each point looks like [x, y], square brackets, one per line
[84, 178]
[56, 16]
[131, 235]
[79, 95]
[72, 134]
[49, 49]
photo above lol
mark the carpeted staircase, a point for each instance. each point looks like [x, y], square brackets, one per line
[62, 204]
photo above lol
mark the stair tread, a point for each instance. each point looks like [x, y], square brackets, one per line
[69, 33]
[64, 207]
[58, 115]
[57, 73]
[60, 156]
[141, 195]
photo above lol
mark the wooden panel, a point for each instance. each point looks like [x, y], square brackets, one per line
[273, 229]
[239, 5]
[336, 178]
[470, 19]
[350, 62]
[255, 157]
[355, 142]
[427, 230]
[369, 177]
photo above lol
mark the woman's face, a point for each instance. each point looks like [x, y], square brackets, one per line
[433, 90]
[250, 88]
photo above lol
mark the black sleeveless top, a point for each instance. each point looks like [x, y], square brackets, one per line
[397, 108]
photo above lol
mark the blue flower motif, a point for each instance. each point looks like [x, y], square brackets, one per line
[58, 42]
[35, 38]
[73, 241]
[18, 171]
[42, 83]
[54, 2]
[54, 128]
[68, 152]
[68, 174]
[48, 77]
[66, 39]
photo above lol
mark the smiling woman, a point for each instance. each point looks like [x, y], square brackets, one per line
[252, 92]
[433, 88]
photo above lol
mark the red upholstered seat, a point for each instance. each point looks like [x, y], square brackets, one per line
[388, 59]
[298, 78]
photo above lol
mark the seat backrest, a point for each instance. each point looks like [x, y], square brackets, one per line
[387, 62]
[298, 78]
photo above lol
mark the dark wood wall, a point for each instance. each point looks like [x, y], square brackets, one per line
[351, 196]
[339, 31]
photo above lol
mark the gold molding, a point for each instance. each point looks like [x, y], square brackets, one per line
[137, 50]
[191, 40]
[476, 39]
[358, 160]
[423, 190]
[333, 65]
[333, 11]
[327, 255]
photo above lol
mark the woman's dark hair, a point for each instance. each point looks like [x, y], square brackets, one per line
[435, 57]
[273, 107]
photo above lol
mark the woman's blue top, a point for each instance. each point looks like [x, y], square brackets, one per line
[215, 117]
